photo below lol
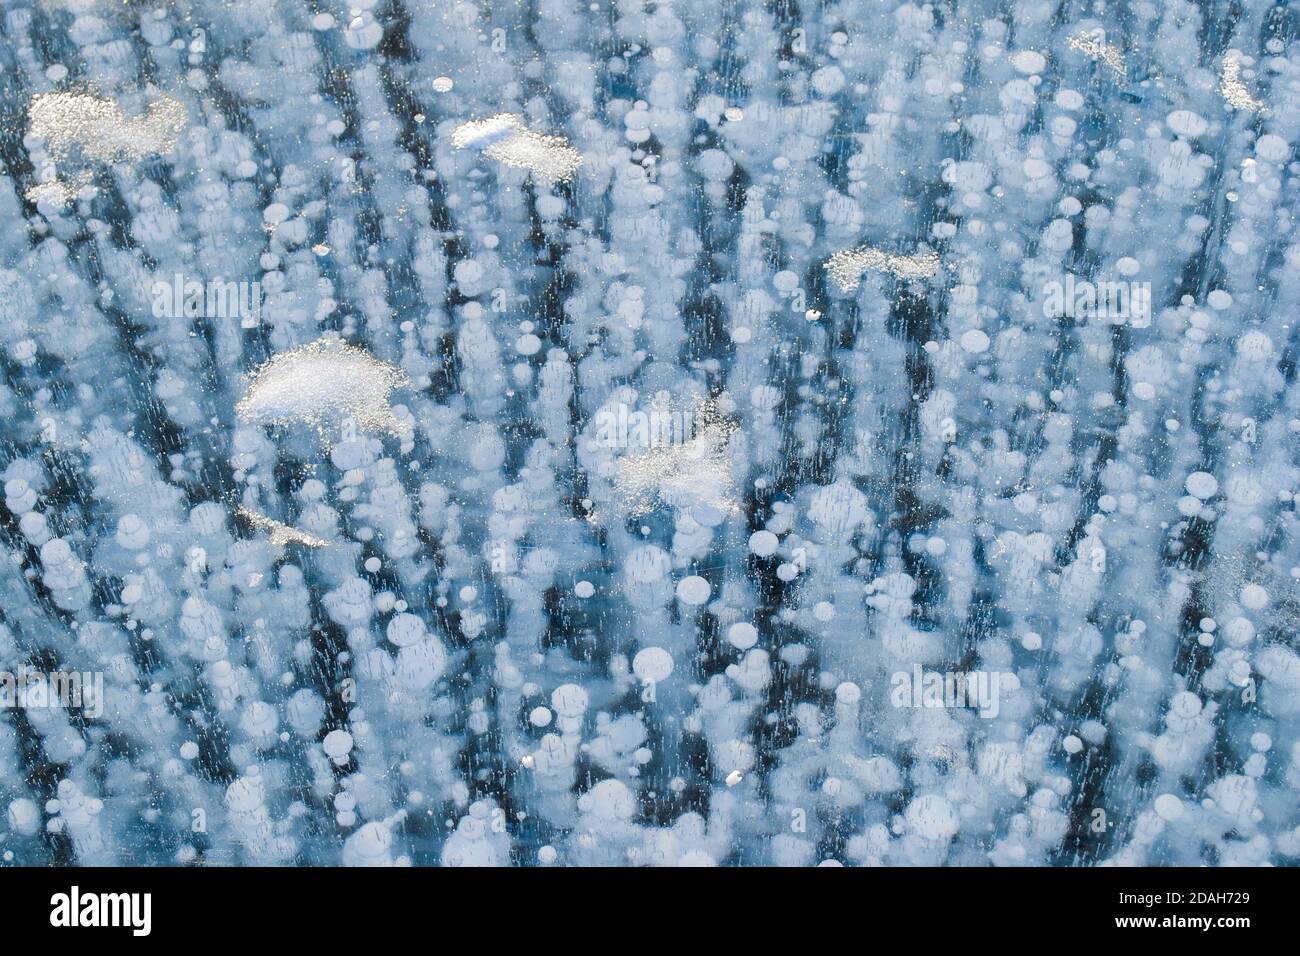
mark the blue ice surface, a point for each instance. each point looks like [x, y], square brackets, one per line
[860, 433]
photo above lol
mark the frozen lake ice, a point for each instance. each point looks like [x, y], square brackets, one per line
[649, 433]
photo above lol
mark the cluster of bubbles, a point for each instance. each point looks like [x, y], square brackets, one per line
[370, 580]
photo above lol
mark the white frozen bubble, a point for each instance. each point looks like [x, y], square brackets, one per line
[1202, 485]
[406, 629]
[569, 700]
[1272, 148]
[1254, 597]
[693, 590]
[275, 213]
[1219, 300]
[1036, 168]
[708, 515]
[608, 800]
[1185, 704]
[1169, 807]
[337, 745]
[742, 635]
[1255, 347]
[363, 32]
[1069, 99]
[828, 81]
[652, 664]
[23, 816]
[975, 341]
[786, 281]
[932, 817]
[1029, 62]
[1186, 123]
[1239, 632]
[763, 543]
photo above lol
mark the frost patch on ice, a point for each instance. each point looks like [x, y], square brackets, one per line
[1233, 89]
[58, 192]
[847, 266]
[324, 383]
[506, 139]
[1093, 44]
[281, 534]
[696, 472]
[96, 126]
